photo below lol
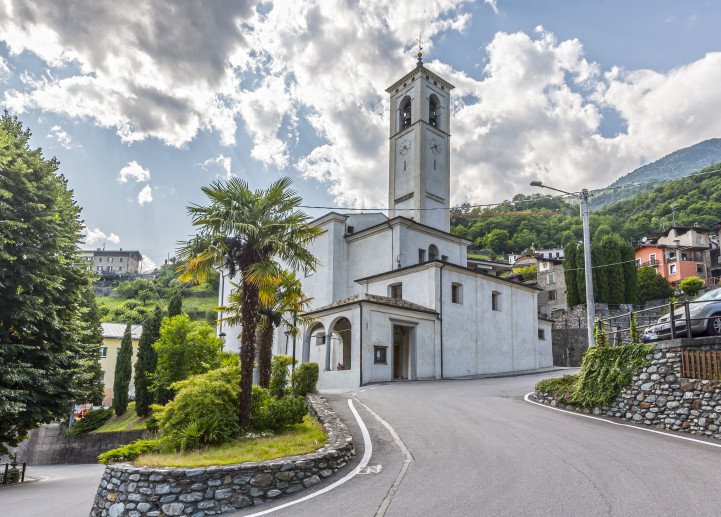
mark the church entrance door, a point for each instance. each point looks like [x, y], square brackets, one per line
[401, 356]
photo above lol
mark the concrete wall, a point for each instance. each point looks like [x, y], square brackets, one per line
[48, 446]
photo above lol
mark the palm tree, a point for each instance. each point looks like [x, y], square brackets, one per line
[244, 231]
[280, 302]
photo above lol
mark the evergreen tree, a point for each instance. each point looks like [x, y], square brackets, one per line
[146, 363]
[613, 270]
[630, 273]
[175, 307]
[600, 279]
[652, 286]
[91, 381]
[123, 372]
[581, 275]
[570, 274]
[41, 328]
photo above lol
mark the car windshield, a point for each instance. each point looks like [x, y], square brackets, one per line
[711, 295]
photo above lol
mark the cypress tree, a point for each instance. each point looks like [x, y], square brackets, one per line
[570, 274]
[581, 274]
[123, 372]
[175, 307]
[146, 363]
[630, 273]
[600, 279]
[614, 273]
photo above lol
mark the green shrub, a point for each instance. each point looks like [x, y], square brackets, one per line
[205, 404]
[606, 371]
[152, 425]
[279, 375]
[90, 422]
[305, 379]
[276, 414]
[129, 452]
[562, 388]
[13, 475]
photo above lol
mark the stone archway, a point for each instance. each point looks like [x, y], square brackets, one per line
[315, 331]
[339, 345]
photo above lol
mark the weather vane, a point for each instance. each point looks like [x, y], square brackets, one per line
[420, 50]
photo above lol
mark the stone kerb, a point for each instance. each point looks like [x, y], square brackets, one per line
[196, 492]
[659, 397]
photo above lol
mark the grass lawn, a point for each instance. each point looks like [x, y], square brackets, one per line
[128, 421]
[299, 439]
[191, 305]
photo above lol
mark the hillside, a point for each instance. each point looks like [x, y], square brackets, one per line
[672, 166]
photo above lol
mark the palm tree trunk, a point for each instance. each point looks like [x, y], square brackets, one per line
[249, 321]
[265, 356]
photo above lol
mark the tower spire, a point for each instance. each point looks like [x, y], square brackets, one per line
[420, 51]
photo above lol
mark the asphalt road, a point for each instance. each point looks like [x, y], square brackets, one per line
[472, 448]
[480, 449]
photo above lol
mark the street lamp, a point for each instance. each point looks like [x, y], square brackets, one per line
[590, 307]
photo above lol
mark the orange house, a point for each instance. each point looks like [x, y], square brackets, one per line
[674, 263]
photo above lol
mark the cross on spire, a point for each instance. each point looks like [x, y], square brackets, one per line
[420, 51]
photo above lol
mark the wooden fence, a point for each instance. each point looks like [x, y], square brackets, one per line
[701, 365]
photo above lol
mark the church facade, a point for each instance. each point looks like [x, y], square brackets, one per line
[393, 296]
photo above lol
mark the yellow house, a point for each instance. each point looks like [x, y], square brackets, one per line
[112, 337]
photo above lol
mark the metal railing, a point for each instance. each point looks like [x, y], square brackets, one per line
[9, 471]
[677, 326]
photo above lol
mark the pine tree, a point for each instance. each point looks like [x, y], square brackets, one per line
[91, 382]
[146, 363]
[175, 307]
[570, 274]
[600, 279]
[630, 273]
[614, 273]
[123, 372]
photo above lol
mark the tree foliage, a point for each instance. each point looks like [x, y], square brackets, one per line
[42, 332]
[184, 349]
[123, 373]
[245, 232]
[175, 307]
[691, 286]
[146, 363]
[652, 286]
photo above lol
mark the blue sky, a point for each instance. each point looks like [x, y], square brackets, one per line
[143, 105]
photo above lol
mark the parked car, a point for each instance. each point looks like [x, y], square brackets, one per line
[705, 313]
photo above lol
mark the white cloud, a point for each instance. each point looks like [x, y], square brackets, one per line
[97, 235]
[145, 195]
[147, 265]
[4, 68]
[61, 137]
[222, 161]
[135, 171]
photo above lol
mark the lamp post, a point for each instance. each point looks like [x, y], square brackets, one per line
[590, 307]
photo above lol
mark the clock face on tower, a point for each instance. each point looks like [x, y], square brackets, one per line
[404, 147]
[435, 146]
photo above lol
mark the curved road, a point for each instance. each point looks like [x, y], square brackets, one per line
[479, 448]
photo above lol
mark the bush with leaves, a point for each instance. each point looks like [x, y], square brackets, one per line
[691, 286]
[129, 452]
[305, 379]
[90, 422]
[277, 414]
[279, 375]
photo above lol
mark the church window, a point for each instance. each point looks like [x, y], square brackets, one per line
[432, 252]
[496, 301]
[380, 355]
[542, 334]
[433, 111]
[421, 256]
[405, 113]
[396, 291]
[456, 293]
[444, 258]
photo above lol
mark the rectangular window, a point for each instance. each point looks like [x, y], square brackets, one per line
[496, 301]
[121, 259]
[652, 259]
[672, 269]
[100, 268]
[120, 268]
[444, 258]
[103, 352]
[380, 355]
[542, 334]
[551, 278]
[100, 259]
[396, 291]
[551, 295]
[456, 293]
[421, 256]
[110, 259]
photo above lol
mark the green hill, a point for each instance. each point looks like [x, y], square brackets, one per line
[672, 166]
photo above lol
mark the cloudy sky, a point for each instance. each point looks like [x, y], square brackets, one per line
[145, 102]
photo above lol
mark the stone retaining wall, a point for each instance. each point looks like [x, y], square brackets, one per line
[659, 397]
[155, 491]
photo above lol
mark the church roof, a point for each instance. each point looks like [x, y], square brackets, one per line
[417, 71]
[376, 299]
[399, 219]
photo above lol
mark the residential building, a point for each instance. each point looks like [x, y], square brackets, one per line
[115, 262]
[395, 297]
[674, 262]
[551, 280]
[112, 338]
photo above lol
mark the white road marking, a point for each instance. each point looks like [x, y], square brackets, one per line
[362, 391]
[409, 459]
[368, 446]
[618, 423]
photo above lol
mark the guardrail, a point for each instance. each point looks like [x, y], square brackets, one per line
[10, 471]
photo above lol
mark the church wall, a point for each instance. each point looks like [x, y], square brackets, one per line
[525, 355]
[460, 338]
[411, 240]
[371, 255]
[494, 328]
[418, 286]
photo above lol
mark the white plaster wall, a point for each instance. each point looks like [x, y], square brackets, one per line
[371, 255]
[544, 347]
[418, 286]
[525, 330]
[460, 334]
[360, 222]
[411, 240]
[494, 328]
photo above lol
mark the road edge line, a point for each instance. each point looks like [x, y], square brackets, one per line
[630, 426]
[368, 446]
[409, 459]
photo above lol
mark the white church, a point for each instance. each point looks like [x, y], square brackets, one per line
[393, 297]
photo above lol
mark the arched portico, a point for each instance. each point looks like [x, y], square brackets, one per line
[315, 331]
[339, 345]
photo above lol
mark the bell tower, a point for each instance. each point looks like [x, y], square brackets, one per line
[419, 169]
